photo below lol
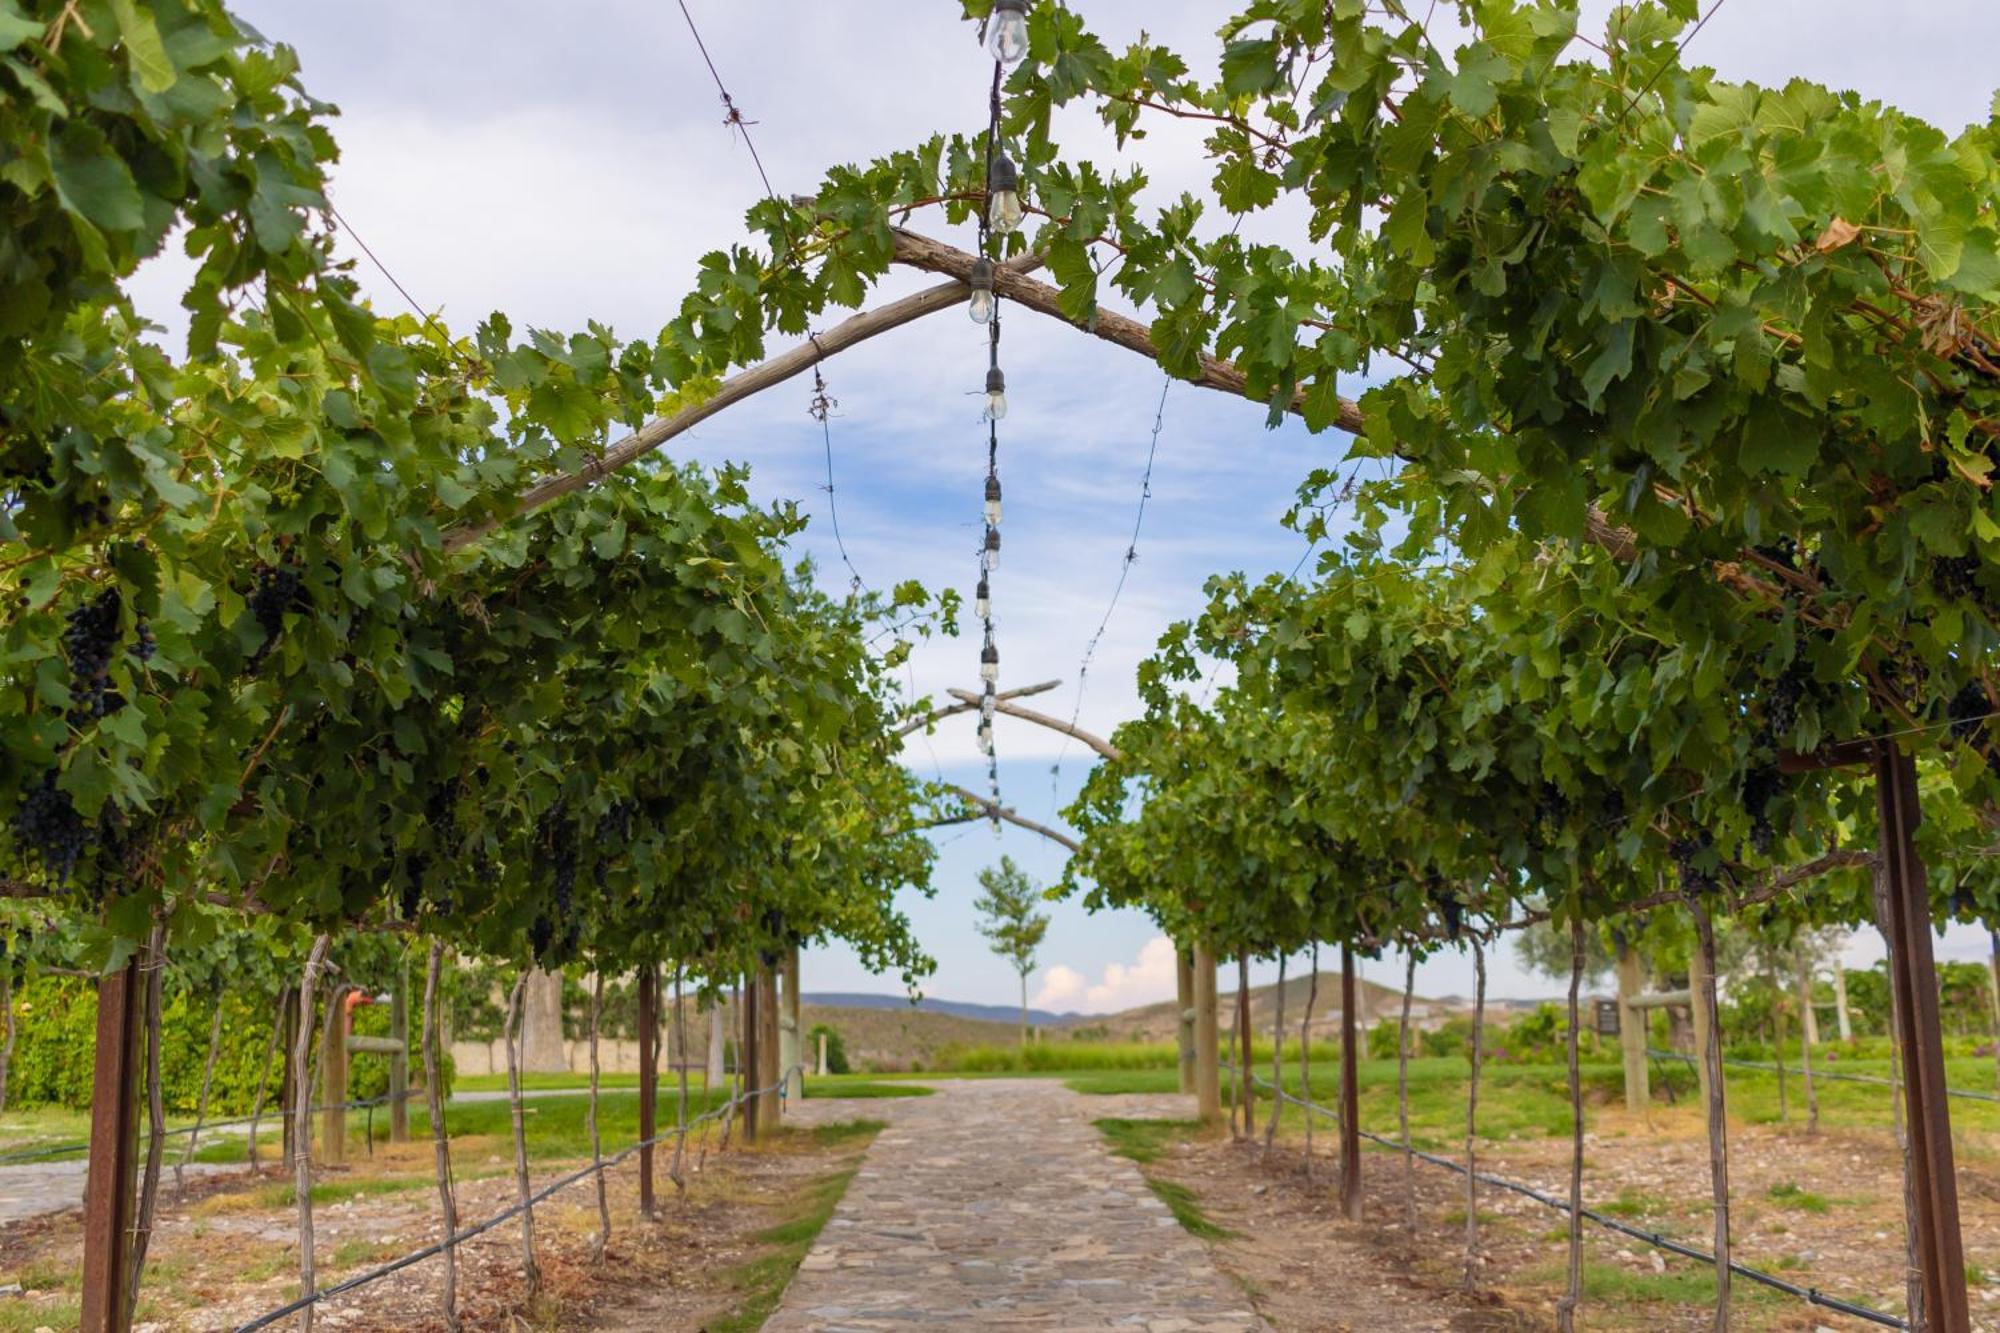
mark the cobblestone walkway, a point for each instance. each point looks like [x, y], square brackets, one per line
[994, 1204]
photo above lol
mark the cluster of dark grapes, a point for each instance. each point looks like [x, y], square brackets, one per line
[48, 825]
[1552, 807]
[277, 589]
[1968, 711]
[1687, 854]
[1784, 551]
[1957, 577]
[89, 642]
[1781, 705]
[541, 935]
[557, 836]
[415, 865]
[1760, 785]
[614, 826]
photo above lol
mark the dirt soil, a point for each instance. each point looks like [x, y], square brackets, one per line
[1823, 1211]
[228, 1251]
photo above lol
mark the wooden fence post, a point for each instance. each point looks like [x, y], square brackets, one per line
[1246, 1092]
[770, 1048]
[108, 1194]
[333, 1081]
[792, 1032]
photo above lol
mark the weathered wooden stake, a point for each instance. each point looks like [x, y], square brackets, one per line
[649, 1082]
[108, 1196]
[1708, 1041]
[399, 1059]
[440, 1138]
[1472, 1118]
[1305, 1057]
[748, 1059]
[603, 1237]
[531, 1274]
[1632, 1028]
[1207, 1039]
[1277, 1062]
[1244, 1038]
[1913, 976]
[1350, 1093]
[1573, 1292]
[1184, 1012]
[1403, 1095]
[1804, 965]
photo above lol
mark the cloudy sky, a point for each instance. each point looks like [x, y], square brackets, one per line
[566, 163]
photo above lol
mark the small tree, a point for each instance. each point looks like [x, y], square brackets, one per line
[1006, 905]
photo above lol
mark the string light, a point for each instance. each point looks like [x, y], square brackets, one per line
[992, 558]
[981, 282]
[1007, 31]
[982, 600]
[992, 501]
[989, 662]
[1003, 196]
[996, 394]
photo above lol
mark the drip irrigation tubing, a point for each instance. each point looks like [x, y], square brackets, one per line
[464, 1234]
[1810, 1295]
[275, 1116]
[1819, 1073]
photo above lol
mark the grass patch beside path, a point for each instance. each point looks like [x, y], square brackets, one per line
[1142, 1141]
[761, 1282]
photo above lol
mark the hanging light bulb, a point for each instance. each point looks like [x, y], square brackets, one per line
[1003, 196]
[982, 600]
[981, 308]
[988, 704]
[992, 549]
[989, 663]
[992, 501]
[1007, 30]
[986, 738]
[996, 394]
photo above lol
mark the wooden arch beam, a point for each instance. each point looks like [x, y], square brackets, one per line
[970, 702]
[986, 809]
[1001, 705]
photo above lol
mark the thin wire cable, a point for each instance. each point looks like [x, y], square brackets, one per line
[416, 307]
[1679, 46]
[1117, 591]
[821, 410]
[734, 116]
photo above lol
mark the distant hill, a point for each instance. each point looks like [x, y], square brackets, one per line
[990, 1013]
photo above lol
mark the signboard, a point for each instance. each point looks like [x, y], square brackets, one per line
[1607, 1018]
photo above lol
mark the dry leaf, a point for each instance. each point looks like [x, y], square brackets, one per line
[1838, 232]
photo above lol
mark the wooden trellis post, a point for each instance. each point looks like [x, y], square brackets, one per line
[399, 1058]
[108, 1194]
[1184, 1014]
[747, 1061]
[1906, 923]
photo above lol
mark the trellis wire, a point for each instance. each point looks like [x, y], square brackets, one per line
[1819, 1074]
[26, 1155]
[1810, 1295]
[464, 1234]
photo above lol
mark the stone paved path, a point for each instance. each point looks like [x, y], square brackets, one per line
[994, 1204]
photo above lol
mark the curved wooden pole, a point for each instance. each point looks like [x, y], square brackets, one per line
[1097, 743]
[816, 348]
[954, 710]
[988, 810]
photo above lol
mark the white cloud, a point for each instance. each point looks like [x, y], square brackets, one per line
[1061, 988]
[1124, 986]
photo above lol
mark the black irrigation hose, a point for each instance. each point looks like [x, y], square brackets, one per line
[464, 1234]
[1818, 1074]
[1810, 1295]
[25, 1155]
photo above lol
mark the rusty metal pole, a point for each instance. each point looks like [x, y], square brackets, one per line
[649, 1080]
[108, 1195]
[1913, 974]
[1350, 1094]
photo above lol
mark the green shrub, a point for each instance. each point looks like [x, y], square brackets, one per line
[56, 1037]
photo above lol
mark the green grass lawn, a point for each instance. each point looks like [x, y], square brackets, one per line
[1530, 1101]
